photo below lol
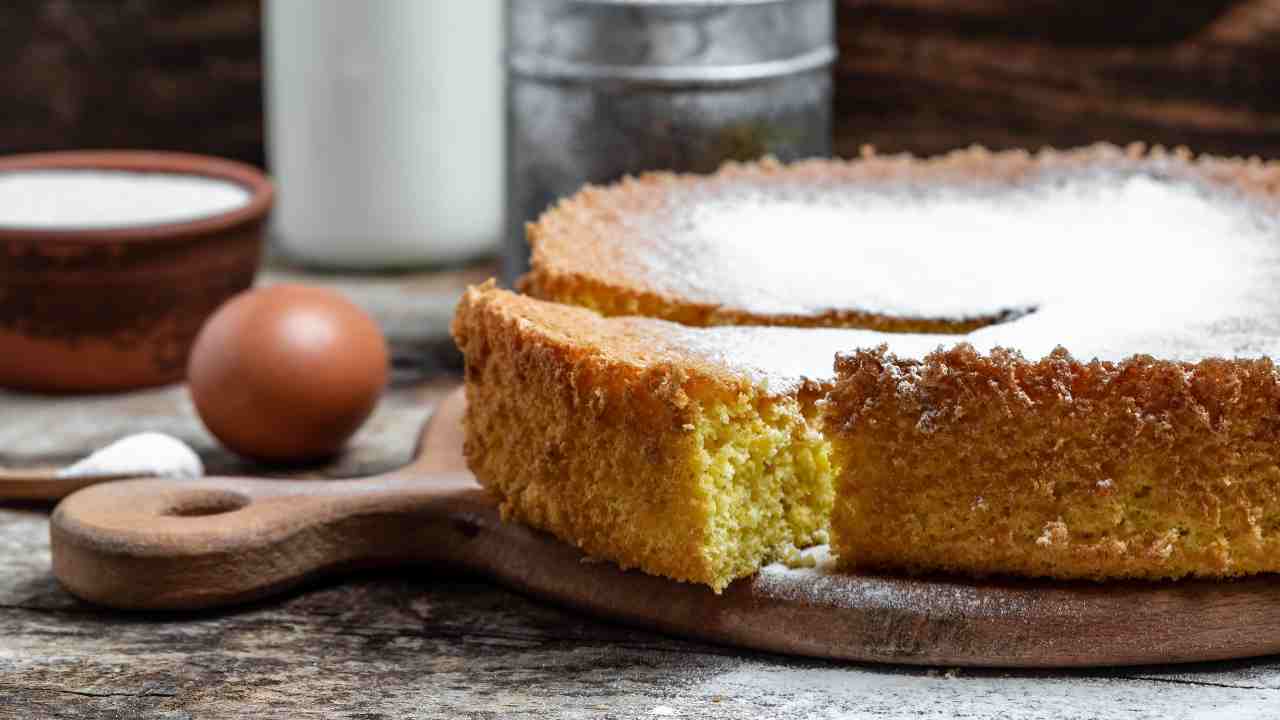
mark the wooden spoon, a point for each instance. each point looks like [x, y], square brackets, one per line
[146, 544]
[44, 483]
[146, 454]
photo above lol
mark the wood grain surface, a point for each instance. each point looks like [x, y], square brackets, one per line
[155, 74]
[930, 75]
[216, 542]
[430, 643]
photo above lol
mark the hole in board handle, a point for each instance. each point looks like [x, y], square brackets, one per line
[209, 502]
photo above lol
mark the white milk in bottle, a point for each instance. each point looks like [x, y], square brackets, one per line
[384, 130]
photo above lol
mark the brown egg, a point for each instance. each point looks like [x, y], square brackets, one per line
[287, 373]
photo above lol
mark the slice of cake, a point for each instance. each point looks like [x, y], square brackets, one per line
[691, 453]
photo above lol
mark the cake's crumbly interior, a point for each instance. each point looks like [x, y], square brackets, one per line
[984, 464]
[584, 429]
[766, 472]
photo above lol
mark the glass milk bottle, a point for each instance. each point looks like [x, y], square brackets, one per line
[384, 130]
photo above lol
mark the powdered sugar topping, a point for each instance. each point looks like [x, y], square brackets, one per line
[1107, 265]
[779, 359]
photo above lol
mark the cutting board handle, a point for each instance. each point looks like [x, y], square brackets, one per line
[184, 544]
[166, 544]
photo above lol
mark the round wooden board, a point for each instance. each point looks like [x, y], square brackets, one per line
[148, 544]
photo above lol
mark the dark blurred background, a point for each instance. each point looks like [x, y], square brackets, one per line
[918, 75]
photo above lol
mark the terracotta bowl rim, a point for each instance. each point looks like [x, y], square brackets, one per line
[261, 193]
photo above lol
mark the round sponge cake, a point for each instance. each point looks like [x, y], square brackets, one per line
[1063, 365]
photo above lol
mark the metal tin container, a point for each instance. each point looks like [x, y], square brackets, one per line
[598, 89]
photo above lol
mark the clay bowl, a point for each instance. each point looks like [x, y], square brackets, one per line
[93, 310]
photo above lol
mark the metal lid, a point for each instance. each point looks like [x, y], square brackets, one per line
[679, 42]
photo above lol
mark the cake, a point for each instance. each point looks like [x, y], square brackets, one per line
[690, 453]
[1060, 367]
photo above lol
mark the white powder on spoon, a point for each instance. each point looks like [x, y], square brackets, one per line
[148, 454]
[101, 199]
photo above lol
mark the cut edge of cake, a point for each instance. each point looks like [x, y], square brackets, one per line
[605, 434]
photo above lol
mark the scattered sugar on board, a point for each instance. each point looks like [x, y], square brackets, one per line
[1105, 265]
[96, 199]
[812, 576]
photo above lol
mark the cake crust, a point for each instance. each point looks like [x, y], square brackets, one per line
[992, 464]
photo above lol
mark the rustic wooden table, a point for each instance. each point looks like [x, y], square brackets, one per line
[424, 643]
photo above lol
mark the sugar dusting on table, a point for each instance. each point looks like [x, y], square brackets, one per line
[98, 199]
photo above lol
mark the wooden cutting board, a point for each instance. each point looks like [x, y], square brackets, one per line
[156, 544]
